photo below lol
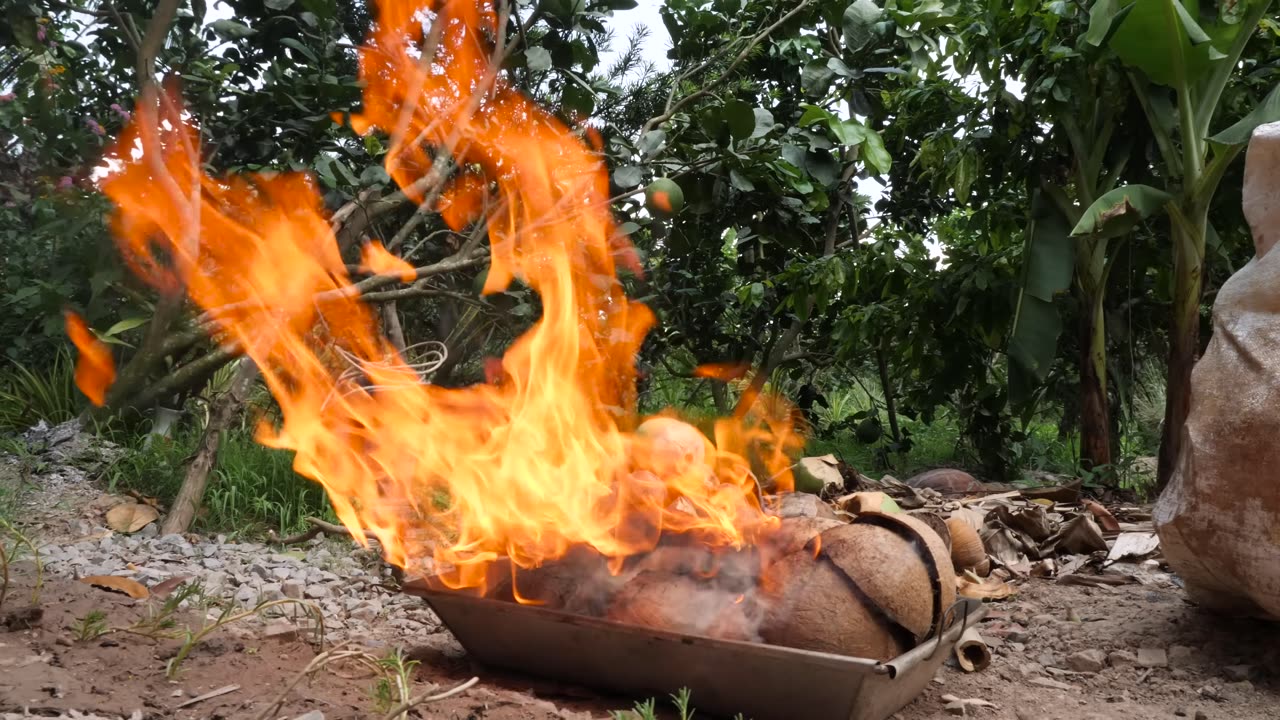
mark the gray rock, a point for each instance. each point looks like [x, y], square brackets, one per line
[1237, 673]
[1152, 658]
[149, 531]
[313, 715]
[316, 592]
[1180, 656]
[1093, 661]
[246, 595]
[293, 589]
[212, 563]
[262, 571]
[281, 573]
[1120, 658]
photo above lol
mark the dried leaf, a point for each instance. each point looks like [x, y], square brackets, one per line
[1103, 516]
[1079, 535]
[132, 588]
[1133, 545]
[131, 517]
[971, 586]
[161, 589]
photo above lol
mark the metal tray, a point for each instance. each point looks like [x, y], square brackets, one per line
[726, 677]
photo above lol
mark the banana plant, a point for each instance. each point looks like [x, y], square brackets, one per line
[1179, 58]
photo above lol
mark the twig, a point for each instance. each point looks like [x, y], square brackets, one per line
[317, 663]
[317, 528]
[209, 695]
[408, 705]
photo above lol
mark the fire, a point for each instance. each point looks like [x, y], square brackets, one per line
[539, 461]
[95, 370]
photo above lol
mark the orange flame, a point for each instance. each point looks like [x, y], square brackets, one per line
[95, 369]
[376, 259]
[526, 467]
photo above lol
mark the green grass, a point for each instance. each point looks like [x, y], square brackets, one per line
[29, 395]
[254, 488]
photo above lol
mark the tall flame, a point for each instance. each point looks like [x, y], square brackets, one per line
[544, 459]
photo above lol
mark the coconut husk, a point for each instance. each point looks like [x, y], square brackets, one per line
[967, 550]
[793, 533]
[683, 604]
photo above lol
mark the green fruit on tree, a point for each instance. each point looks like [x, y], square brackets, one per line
[868, 431]
[664, 197]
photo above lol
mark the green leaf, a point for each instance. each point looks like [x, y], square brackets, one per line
[307, 52]
[823, 167]
[278, 5]
[628, 228]
[1160, 37]
[1120, 210]
[858, 24]
[578, 99]
[1267, 111]
[740, 181]
[537, 59]
[230, 29]
[874, 152]
[1104, 19]
[816, 78]
[1050, 254]
[1035, 336]
[764, 122]
[651, 142]
[741, 119]
[126, 325]
[628, 176]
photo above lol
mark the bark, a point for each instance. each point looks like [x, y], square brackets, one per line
[1095, 408]
[720, 394]
[890, 404]
[187, 504]
[1184, 340]
[391, 326]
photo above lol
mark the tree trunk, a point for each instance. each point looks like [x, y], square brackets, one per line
[187, 504]
[1184, 341]
[720, 395]
[890, 406]
[1095, 407]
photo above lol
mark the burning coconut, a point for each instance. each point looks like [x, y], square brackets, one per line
[558, 497]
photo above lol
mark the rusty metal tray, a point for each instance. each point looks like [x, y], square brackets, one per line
[725, 677]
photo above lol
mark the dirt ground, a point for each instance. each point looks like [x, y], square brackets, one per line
[1213, 667]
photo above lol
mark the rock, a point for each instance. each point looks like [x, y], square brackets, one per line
[1202, 715]
[1237, 673]
[282, 630]
[281, 573]
[1180, 656]
[1120, 658]
[316, 592]
[212, 563]
[262, 571]
[270, 592]
[366, 611]
[246, 595]
[1049, 683]
[1152, 658]
[313, 715]
[1092, 661]
[293, 589]
[957, 707]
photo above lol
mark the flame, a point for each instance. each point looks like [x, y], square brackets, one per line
[541, 459]
[377, 260]
[95, 369]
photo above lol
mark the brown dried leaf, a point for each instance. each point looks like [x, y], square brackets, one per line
[132, 588]
[1103, 516]
[131, 517]
[971, 586]
[161, 589]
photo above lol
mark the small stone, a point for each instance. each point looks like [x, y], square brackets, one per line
[260, 570]
[367, 611]
[1180, 712]
[1152, 658]
[1092, 661]
[281, 573]
[1179, 674]
[245, 595]
[1050, 683]
[1202, 715]
[956, 708]
[270, 592]
[1237, 673]
[316, 592]
[149, 531]
[212, 563]
[1180, 656]
[281, 630]
[1120, 658]
[293, 589]
[313, 715]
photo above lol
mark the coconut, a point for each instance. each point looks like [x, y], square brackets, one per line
[967, 550]
[873, 588]
[668, 447]
[682, 604]
[794, 532]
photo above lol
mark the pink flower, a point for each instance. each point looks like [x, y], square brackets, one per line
[94, 127]
[65, 183]
[7, 97]
[40, 34]
[124, 114]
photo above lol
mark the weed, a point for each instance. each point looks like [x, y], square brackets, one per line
[28, 396]
[648, 710]
[91, 626]
[254, 487]
[382, 694]
[400, 672]
[12, 542]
